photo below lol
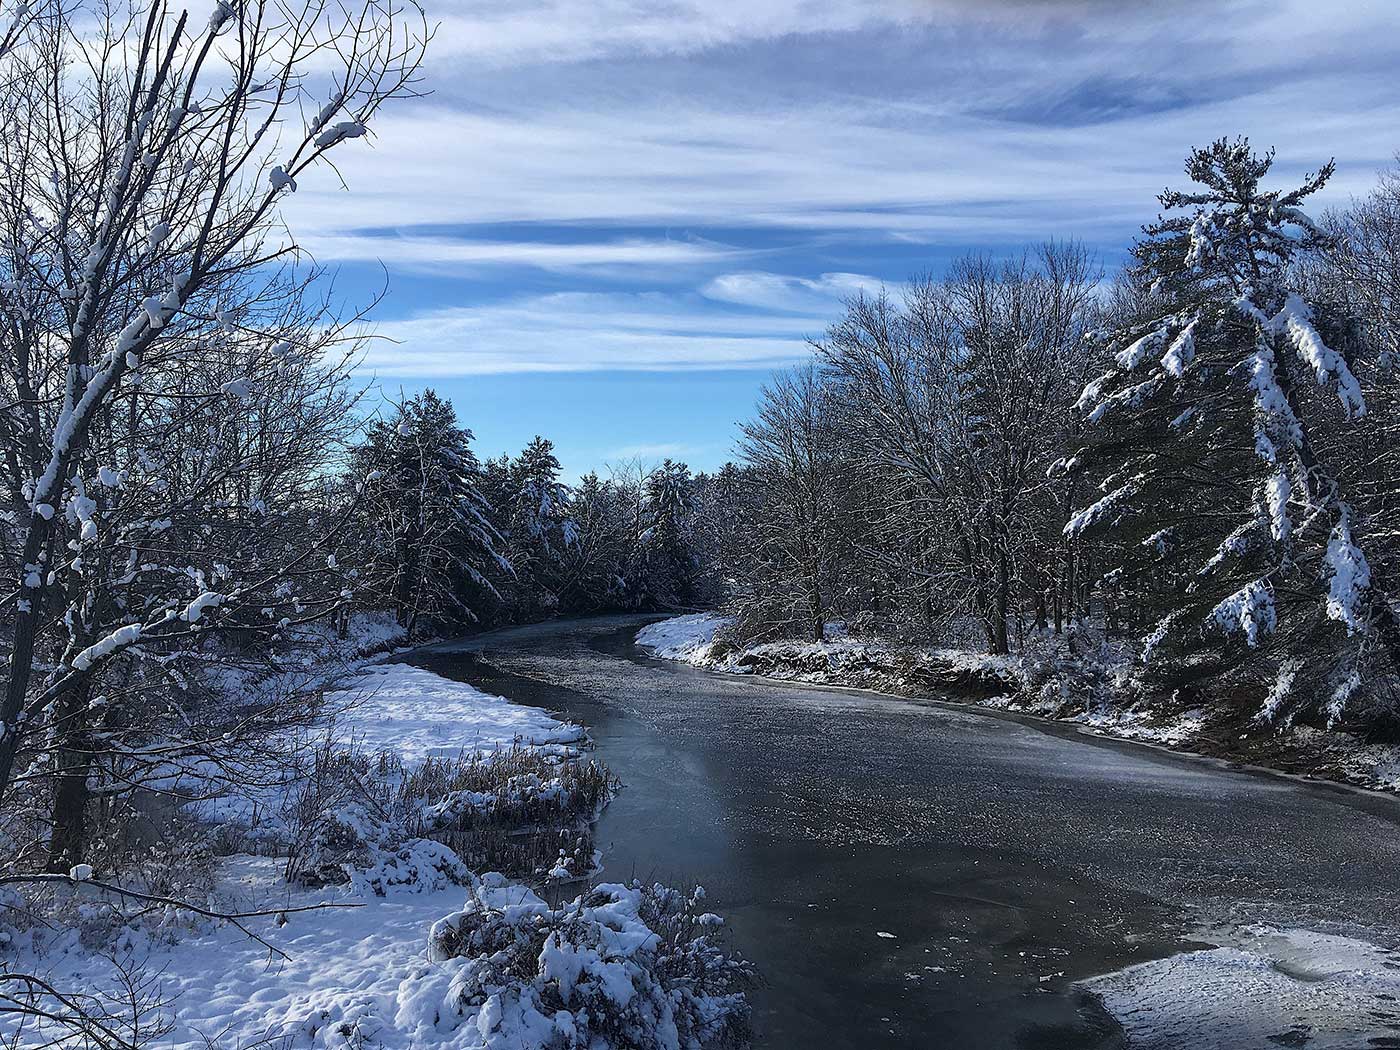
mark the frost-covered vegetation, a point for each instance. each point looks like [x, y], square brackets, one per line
[357, 872]
[1173, 488]
[207, 526]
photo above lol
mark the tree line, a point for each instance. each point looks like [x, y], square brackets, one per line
[1195, 457]
[451, 542]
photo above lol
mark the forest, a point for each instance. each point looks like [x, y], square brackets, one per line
[1185, 469]
[1194, 457]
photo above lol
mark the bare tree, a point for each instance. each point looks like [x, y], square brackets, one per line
[966, 391]
[794, 462]
[170, 385]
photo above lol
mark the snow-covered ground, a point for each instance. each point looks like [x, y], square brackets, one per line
[417, 966]
[1262, 988]
[689, 639]
[418, 714]
[340, 984]
[376, 975]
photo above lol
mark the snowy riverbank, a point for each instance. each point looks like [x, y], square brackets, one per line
[417, 947]
[1022, 685]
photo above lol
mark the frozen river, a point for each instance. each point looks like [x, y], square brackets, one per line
[921, 875]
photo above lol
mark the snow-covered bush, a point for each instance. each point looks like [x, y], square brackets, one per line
[417, 865]
[1075, 673]
[377, 822]
[619, 968]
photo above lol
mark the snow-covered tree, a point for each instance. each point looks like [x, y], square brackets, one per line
[793, 460]
[959, 394]
[170, 387]
[668, 573]
[598, 563]
[426, 525]
[1218, 439]
[534, 516]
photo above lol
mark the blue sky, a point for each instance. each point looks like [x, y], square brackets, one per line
[610, 219]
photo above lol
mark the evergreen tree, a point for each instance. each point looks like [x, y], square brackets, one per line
[426, 520]
[597, 562]
[668, 560]
[1226, 519]
[540, 528]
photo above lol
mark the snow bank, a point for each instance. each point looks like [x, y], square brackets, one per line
[373, 631]
[688, 639]
[420, 715]
[839, 660]
[1262, 987]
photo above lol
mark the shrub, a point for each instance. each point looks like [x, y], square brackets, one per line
[628, 967]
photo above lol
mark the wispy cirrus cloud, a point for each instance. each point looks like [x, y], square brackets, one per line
[621, 186]
[443, 253]
[556, 31]
[783, 292]
[580, 331]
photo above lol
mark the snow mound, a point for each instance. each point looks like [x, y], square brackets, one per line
[688, 639]
[1264, 987]
[421, 715]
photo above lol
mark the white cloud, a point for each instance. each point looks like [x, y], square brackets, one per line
[414, 252]
[579, 331]
[549, 31]
[775, 291]
[940, 122]
[815, 167]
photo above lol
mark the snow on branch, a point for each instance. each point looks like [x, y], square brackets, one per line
[1250, 610]
[1141, 349]
[1276, 418]
[118, 639]
[1295, 321]
[1131, 397]
[1096, 512]
[1181, 351]
[1349, 574]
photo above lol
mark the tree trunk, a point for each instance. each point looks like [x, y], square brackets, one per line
[21, 653]
[68, 842]
[1001, 608]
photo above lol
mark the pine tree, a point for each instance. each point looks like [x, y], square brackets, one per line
[1224, 520]
[597, 562]
[428, 522]
[539, 528]
[668, 563]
